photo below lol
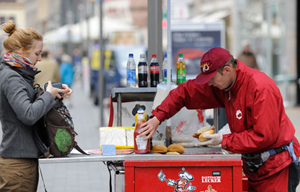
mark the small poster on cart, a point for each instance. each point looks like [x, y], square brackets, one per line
[193, 40]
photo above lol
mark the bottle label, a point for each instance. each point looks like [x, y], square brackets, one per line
[131, 76]
[154, 69]
[165, 75]
[140, 143]
[142, 69]
[181, 75]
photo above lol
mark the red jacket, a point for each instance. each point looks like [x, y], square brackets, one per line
[255, 114]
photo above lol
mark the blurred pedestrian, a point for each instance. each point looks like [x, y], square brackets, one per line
[19, 109]
[248, 57]
[49, 70]
[77, 65]
[59, 54]
[66, 70]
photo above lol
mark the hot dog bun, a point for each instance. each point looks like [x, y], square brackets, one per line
[176, 148]
[202, 139]
[203, 131]
[159, 149]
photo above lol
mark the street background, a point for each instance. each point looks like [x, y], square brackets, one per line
[72, 27]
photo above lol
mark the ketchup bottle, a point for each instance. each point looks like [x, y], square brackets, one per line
[140, 146]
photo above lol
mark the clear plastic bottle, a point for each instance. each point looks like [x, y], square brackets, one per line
[181, 70]
[131, 72]
[142, 72]
[165, 69]
[140, 146]
[154, 71]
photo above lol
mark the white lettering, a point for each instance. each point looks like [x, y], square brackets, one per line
[211, 179]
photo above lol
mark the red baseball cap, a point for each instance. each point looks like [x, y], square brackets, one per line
[211, 61]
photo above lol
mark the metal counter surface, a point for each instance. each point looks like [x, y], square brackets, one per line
[206, 153]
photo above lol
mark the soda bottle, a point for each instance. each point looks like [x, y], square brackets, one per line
[154, 71]
[131, 72]
[140, 146]
[181, 71]
[165, 66]
[143, 72]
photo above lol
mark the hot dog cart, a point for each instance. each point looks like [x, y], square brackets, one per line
[197, 169]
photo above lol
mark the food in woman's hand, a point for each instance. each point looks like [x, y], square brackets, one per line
[204, 131]
[176, 148]
[159, 149]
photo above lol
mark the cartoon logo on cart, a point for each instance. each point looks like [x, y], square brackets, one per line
[183, 184]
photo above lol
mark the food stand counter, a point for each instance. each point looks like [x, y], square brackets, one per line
[198, 169]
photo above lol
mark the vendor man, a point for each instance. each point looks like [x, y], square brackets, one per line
[260, 128]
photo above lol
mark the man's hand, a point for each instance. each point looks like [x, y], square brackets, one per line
[149, 127]
[215, 139]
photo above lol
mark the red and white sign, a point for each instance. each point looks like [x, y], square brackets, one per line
[211, 179]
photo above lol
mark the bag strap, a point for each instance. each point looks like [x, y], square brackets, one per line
[79, 149]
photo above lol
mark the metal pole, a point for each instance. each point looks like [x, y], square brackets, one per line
[70, 22]
[155, 30]
[169, 52]
[100, 74]
[88, 41]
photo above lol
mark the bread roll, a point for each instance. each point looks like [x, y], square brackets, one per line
[202, 139]
[202, 130]
[176, 148]
[173, 153]
[159, 149]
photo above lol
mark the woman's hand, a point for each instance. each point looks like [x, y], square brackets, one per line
[68, 90]
[149, 128]
[65, 92]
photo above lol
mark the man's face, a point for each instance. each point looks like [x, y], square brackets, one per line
[221, 81]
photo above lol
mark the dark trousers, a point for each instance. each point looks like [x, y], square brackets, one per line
[294, 177]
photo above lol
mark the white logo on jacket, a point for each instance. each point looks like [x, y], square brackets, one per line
[238, 114]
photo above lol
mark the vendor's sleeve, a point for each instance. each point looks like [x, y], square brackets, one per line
[190, 95]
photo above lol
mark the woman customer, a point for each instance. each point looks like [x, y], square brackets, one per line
[19, 110]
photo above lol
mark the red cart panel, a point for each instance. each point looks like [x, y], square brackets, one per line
[184, 176]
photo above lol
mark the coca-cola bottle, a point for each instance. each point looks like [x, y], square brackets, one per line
[142, 72]
[154, 71]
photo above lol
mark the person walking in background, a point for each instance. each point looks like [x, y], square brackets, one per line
[19, 109]
[59, 55]
[248, 57]
[66, 70]
[49, 70]
[77, 65]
